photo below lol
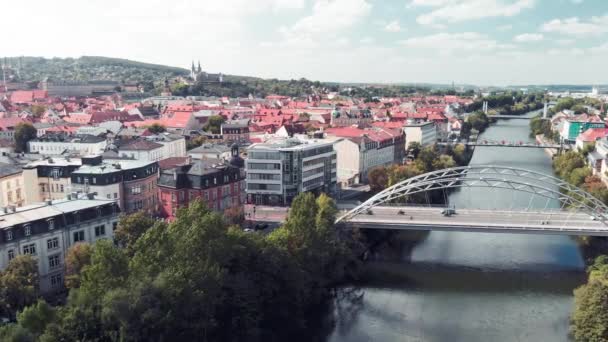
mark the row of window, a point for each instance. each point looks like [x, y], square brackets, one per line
[263, 166]
[52, 188]
[8, 183]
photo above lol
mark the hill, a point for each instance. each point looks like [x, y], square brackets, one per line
[34, 69]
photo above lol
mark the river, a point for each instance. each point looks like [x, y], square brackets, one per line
[472, 286]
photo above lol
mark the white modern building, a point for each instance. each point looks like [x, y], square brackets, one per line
[56, 144]
[279, 169]
[46, 231]
[154, 148]
[423, 133]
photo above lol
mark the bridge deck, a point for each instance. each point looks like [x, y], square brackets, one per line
[495, 221]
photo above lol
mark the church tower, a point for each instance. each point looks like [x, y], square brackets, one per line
[193, 71]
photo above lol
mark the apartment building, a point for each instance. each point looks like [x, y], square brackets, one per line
[423, 133]
[49, 178]
[56, 144]
[279, 169]
[46, 231]
[131, 183]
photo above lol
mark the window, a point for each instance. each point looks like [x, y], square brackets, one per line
[181, 195]
[9, 235]
[18, 194]
[51, 224]
[136, 190]
[42, 188]
[28, 230]
[61, 189]
[114, 226]
[52, 243]
[29, 249]
[11, 254]
[100, 230]
[54, 261]
[206, 196]
[56, 280]
[94, 180]
[79, 236]
[9, 196]
[109, 196]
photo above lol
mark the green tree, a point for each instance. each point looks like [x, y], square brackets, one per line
[108, 269]
[38, 110]
[24, 132]
[214, 124]
[156, 128]
[590, 316]
[413, 149]
[77, 257]
[19, 284]
[36, 317]
[130, 228]
[377, 178]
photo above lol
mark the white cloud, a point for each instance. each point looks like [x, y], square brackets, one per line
[366, 40]
[528, 37]
[452, 11]
[393, 26]
[451, 42]
[576, 27]
[564, 42]
[328, 18]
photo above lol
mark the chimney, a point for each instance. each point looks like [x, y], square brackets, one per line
[91, 195]
[5, 210]
[48, 201]
[69, 197]
[13, 208]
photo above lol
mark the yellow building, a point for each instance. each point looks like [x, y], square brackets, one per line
[12, 192]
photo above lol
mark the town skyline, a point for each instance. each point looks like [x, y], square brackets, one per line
[479, 42]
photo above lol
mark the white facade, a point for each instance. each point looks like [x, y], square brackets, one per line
[423, 133]
[73, 145]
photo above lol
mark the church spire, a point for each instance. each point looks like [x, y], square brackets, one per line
[199, 67]
[192, 69]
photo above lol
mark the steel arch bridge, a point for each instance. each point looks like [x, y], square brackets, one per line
[577, 203]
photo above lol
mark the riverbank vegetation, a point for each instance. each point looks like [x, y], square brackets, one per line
[426, 160]
[538, 125]
[590, 315]
[198, 279]
[509, 103]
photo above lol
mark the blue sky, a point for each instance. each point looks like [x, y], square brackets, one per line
[484, 42]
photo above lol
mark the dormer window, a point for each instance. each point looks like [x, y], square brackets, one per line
[27, 230]
[9, 235]
[51, 224]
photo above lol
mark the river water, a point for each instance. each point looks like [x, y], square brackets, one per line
[473, 286]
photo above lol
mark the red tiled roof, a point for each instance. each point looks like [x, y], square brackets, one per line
[593, 134]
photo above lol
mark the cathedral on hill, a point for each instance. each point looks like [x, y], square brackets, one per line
[197, 74]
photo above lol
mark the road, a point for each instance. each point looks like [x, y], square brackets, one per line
[480, 220]
[502, 221]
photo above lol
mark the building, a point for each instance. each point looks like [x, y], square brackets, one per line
[220, 184]
[154, 147]
[131, 183]
[12, 192]
[46, 231]
[360, 150]
[49, 178]
[423, 133]
[236, 130]
[590, 136]
[210, 151]
[78, 88]
[278, 170]
[573, 127]
[57, 144]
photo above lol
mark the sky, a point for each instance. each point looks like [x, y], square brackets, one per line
[482, 42]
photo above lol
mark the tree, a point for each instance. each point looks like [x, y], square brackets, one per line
[590, 316]
[38, 110]
[156, 128]
[24, 132]
[108, 269]
[130, 228]
[413, 149]
[377, 179]
[77, 257]
[196, 142]
[35, 318]
[19, 284]
[214, 124]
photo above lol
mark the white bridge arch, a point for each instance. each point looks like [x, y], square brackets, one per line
[490, 176]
